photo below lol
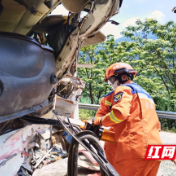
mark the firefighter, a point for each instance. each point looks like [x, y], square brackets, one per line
[129, 111]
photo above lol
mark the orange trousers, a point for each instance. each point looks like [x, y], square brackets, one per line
[131, 167]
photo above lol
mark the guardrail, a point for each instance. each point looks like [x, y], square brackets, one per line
[161, 114]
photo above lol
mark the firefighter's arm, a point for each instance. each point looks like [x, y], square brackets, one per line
[120, 110]
[102, 111]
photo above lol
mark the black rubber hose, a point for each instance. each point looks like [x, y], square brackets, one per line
[38, 120]
[84, 136]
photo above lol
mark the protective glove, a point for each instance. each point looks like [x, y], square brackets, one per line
[93, 128]
[97, 121]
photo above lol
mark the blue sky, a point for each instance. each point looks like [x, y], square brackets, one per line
[143, 9]
[131, 10]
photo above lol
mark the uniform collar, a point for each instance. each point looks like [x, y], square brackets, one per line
[128, 82]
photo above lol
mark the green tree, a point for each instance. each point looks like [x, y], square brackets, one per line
[95, 86]
[157, 56]
[153, 59]
[109, 52]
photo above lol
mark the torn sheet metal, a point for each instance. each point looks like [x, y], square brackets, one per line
[77, 82]
[13, 144]
[10, 165]
[68, 106]
[98, 16]
[99, 13]
[65, 107]
[59, 168]
[68, 55]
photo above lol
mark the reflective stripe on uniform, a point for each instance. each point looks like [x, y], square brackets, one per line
[141, 95]
[108, 103]
[114, 118]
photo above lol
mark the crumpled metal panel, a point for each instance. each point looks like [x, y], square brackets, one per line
[67, 56]
[99, 14]
[12, 165]
[97, 17]
[59, 168]
[77, 82]
[13, 144]
[10, 15]
[68, 106]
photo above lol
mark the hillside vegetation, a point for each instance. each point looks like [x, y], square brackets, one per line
[154, 59]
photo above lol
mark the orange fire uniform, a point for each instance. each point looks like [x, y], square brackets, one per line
[130, 112]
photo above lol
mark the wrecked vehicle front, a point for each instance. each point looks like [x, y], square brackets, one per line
[38, 65]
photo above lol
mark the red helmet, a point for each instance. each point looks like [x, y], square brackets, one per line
[115, 69]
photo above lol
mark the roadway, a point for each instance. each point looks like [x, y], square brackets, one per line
[167, 168]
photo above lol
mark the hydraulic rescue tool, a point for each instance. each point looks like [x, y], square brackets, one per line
[102, 133]
[88, 139]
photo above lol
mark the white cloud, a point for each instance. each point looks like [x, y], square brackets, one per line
[60, 10]
[130, 22]
[158, 15]
[109, 28]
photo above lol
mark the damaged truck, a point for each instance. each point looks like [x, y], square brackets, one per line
[39, 89]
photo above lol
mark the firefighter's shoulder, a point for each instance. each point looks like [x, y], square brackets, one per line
[110, 93]
[122, 88]
[120, 91]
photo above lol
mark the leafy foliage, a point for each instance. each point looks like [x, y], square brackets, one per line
[94, 78]
[155, 61]
[85, 114]
[159, 55]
